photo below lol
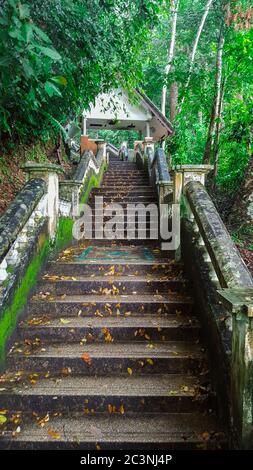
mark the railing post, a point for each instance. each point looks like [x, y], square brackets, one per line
[239, 302]
[178, 186]
[50, 174]
[148, 142]
[69, 192]
[183, 174]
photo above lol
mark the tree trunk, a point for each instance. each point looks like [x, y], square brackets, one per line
[217, 98]
[173, 101]
[242, 210]
[217, 132]
[174, 10]
[195, 45]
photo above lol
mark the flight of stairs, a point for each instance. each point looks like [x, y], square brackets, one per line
[108, 353]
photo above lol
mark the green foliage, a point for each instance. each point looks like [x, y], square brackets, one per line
[191, 123]
[116, 137]
[56, 56]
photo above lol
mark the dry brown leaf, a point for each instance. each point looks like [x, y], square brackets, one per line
[86, 358]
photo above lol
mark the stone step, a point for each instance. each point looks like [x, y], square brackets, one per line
[142, 190]
[118, 187]
[141, 181]
[124, 199]
[168, 431]
[72, 305]
[123, 328]
[143, 394]
[104, 267]
[125, 176]
[125, 172]
[142, 228]
[82, 285]
[131, 216]
[123, 242]
[170, 357]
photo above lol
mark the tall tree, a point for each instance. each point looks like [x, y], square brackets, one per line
[195, 45]
[215, 114]
[174, 14]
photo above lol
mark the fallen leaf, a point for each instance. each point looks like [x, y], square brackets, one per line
[53, 434]
[129, 370]
[110, 408]
[64, 321]
[121, 409]
[86, 358]
[150, 361]
[43, 421]
[3, 419]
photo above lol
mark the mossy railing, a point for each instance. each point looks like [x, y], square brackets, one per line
[24, 243]
[36, 223]
[17, 214]
[225, 287]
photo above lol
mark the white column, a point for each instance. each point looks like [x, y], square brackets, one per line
[147, 129]
[84, 125]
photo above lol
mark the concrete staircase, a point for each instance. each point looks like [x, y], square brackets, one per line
[108, 353]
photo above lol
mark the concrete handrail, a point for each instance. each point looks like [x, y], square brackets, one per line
[17, 214]
[226, 260]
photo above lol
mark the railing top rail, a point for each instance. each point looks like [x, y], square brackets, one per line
[82, 165]
[160, 161]
[17, 214]
[227, 262]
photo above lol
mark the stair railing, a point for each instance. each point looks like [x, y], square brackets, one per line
[229, 291]
[124, 153]
[154, 162]
[18, 221]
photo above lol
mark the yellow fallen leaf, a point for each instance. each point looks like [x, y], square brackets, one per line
[129, 370]
[53, 434]
[205, 435]
[110, 408]
[43, 420]
[150, 361]
[64, 321]
[121, 409]
[3, 419]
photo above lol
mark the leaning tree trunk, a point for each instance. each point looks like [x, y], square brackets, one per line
[195, 45]
[173, 100]
[217, 132]
[242, 210]
[174, 9]
[217, 98]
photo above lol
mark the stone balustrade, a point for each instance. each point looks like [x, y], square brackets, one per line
[224, 289]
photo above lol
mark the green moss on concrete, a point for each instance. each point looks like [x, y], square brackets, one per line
[10, 316]
[94, 182]
[65, 226]
[64, 232]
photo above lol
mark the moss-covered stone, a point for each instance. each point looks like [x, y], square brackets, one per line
[64, 232]
[18, 213]
[11, 312]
